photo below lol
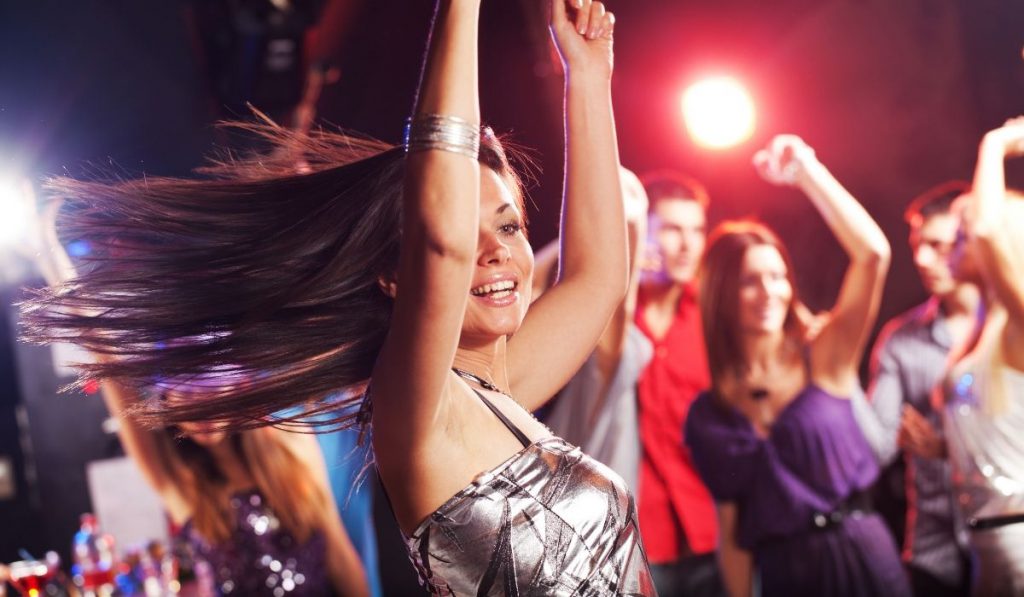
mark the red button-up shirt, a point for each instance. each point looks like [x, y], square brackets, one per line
[674, 507]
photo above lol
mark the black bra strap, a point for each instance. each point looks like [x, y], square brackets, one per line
[501, 416]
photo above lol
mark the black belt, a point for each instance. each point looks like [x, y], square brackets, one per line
[995, 522]
[855, 505]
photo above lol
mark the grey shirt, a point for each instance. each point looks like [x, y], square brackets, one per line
[908, 365]
[602, 420]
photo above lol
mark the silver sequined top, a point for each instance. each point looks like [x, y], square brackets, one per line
[986, 442]
[985, 435]
[548, 521]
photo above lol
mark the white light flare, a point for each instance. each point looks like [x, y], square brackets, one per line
[718, 112]
[16, 214]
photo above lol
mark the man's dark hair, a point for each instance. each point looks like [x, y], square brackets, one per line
[667, 184]
[935, 201]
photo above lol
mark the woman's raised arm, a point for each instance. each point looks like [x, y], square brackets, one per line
[837, 350]
[440, 223]
[990, 220]
[563, 326]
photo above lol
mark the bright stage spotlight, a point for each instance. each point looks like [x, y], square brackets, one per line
[15, 212]
[718, 112]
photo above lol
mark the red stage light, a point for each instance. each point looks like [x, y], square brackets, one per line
[91, 386]
[718, 112]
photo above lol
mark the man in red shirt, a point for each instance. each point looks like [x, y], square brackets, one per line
[676, 513]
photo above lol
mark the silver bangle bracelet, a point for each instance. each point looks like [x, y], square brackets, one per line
[446, 133]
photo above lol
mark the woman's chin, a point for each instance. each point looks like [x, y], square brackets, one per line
[492, 332]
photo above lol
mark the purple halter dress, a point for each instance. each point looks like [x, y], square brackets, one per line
[793, 491]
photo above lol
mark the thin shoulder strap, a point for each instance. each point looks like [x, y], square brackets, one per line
[505, 420]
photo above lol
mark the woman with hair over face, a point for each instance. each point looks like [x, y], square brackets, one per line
[409, 266]
[254, 506]
[775, 439]
[984, 415]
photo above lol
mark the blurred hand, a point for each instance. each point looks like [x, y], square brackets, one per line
[918, 436]
[813, 322]
[1009, 137]
[582, 31]
[783, 160]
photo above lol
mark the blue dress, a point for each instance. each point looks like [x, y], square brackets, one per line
[353, 497]
[785, 487]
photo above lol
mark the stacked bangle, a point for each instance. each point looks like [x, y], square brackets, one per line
[447, 133]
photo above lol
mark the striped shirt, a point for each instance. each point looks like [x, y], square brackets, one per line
[909, 361]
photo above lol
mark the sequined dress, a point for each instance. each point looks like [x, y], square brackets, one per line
[260, 558]
[985, 434]
[550, 520]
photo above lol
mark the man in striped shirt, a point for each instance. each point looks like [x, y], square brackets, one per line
[908, 363]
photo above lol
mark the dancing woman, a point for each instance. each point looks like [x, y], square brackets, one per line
[984, 414]
[242, 500]
[408, 266]
[775, 439]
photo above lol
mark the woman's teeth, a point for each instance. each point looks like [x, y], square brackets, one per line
[497, 289]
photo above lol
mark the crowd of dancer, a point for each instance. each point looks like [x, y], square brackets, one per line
[393, 289]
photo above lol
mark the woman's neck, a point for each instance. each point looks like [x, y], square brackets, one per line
[485, 361]
[762, 352]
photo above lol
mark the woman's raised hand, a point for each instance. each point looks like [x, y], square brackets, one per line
[1009, 137]
[583, 31]
[782, 161]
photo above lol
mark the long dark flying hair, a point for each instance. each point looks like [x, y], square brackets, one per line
[720, 289]
[253, 269]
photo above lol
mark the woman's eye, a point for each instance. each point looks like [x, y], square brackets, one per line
[510, 228]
